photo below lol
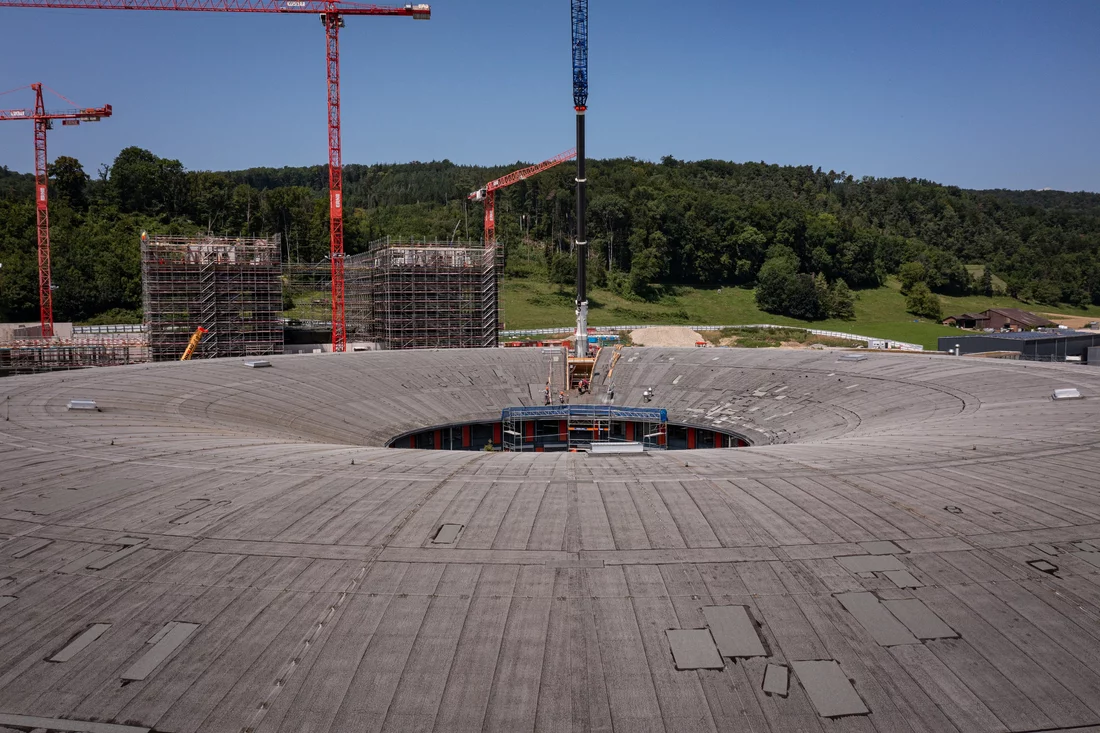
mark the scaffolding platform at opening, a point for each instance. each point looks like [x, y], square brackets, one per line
[579, 427]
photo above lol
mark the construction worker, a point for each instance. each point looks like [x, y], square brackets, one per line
[547, 400]
[561, 397]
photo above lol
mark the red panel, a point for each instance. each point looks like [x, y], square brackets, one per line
[412, 441]
[498, 433]
[465, 436]
[630, 431]
[529, 431]
[691, 438]
[563, 429]
[438, 440]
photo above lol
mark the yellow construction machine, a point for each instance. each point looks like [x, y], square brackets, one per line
[193, 343]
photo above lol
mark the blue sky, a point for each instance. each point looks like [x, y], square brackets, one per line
[978, 94]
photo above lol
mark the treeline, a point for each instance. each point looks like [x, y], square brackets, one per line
[708, 223]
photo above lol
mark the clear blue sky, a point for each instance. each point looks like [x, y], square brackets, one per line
[977, 93]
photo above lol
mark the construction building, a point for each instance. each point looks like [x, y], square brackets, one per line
[432, 294]
[230, 286]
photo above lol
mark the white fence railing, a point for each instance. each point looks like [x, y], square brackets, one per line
[871, 341]
[115, 328]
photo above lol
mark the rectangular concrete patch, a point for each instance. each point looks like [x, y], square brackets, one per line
[1046, 549]
[870, 563]
[881, 547]
[919, 619]
[153, 658]
[694, 649]
[733, 631]
[903, 579]
[447, 534]
[829, 689]
[776, 679]
[80, 643]
[1089, 557]
[111, 559]
[33, 547]
[5, 600]
[59, 724]
[883, 628]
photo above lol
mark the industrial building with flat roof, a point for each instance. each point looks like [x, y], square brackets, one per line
[1031, 345]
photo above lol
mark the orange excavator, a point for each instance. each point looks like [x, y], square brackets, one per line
[193, 344]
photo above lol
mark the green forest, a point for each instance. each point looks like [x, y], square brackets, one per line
[807, 240]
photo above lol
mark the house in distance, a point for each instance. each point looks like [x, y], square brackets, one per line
[1000, 319]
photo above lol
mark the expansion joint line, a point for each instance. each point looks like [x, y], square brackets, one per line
[326, 616]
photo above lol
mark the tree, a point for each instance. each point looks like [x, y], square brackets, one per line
[842, 303]
[910, 274]
[987, 282]
[143, 183]
[69, 181]
[923, 302]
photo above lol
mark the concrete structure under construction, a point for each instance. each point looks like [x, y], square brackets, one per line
[230, 286]
[910, 543]
[432, 294]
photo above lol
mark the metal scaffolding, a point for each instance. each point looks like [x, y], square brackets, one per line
[578, 427]
[230, 286]
[48, 357]
[432, 294]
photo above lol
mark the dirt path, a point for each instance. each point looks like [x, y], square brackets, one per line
[665, 336]
[1070, 321]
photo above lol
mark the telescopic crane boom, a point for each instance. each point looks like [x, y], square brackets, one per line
[332, 14]
[579, 17]
[43, 121]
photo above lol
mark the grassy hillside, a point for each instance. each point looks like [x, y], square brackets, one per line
[879, 313]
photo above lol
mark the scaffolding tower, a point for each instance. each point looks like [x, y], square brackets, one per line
[231, 286]
[432, 294]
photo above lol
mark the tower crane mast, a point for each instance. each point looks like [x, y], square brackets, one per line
[43, 121]
[332, 14]
[579, 17]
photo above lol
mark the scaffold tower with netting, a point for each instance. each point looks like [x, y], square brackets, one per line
[231, 286]
[433, 294]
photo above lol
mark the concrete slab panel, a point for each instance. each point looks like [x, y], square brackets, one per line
[870, 563]
[5, 600]
[919, 619]
[733, 631]
[31, 548]
[447, 534]
[153, 658]
[829, 689]
[80, 643]
[776, 679]
[1092, 558]
[882, 547]
[694, 649]
[903, 579]
[884, 628]
[102, 562]
[59, 724]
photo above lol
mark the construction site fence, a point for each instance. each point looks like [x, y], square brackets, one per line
[871, 341]
[113, 328]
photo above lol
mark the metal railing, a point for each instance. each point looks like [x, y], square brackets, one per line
[871, 341]
[113, 328]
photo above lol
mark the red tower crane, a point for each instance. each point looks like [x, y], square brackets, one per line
[332, 14]
[488, 192]
[43, 121]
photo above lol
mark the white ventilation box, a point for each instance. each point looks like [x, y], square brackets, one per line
[257, 363]
[853, 357]
[1069, 393]
[83, 405]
